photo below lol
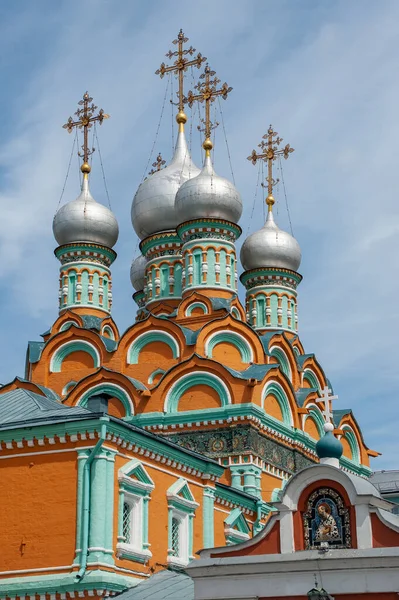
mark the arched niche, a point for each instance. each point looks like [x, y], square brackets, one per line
[229, 340]
[119, 405]
[82, 351]
[282, 358]
[275, 398]
[162, 346]
[196, 309]
[198, 381]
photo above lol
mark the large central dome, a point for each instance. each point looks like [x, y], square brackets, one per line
[153, 207]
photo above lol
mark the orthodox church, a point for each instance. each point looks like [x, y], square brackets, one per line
[126, 454]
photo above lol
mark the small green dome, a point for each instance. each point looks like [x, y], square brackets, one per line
[328, 446]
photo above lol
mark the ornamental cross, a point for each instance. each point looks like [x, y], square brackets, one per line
[326, 398]
[181, 64]
[269, 152]
[158, 164]
[86, 117]
[208, 92]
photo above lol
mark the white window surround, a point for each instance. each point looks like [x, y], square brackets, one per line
[181, 507]
[235, 536]
[135, 493]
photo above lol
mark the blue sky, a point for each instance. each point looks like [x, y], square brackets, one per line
[324, 73]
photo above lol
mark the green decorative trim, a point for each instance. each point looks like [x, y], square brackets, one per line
[190, 380]
[282, 359]
[67, 325]
[29, 585]
[85, 253]
[154, 374]
[196, 229]
[147, 338]
[136, 469]
[275, 390]
[274, 276]
[354, 446]
[99, 511]
[113, 390]
[109, 330]
[208, 505]
[230, 337]
[310, 377]
[161, 244]
[68, 348]
[317, 417]
[194, 305]
[236, 313]
[236, 527]
[231, 496]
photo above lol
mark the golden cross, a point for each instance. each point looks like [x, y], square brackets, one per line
[85, 119]
[179, 67]
[270, 151]
[208, 92]
[158, 164]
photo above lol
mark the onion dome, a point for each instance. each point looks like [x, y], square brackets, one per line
[137, 273]
[329, 446]
[208, 196]
[270, 247]
[153, 207]
[85, 220]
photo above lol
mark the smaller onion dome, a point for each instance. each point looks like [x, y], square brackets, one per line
[85, 220]
[137, 273]
[329, 446]
[153, 208]
[208, 196]
[270, 247]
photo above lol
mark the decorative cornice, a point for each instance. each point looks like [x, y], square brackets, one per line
[81, 252]
[270, 277]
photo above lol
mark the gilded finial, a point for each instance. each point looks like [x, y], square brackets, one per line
[179, 66]
[208, 92]
[158, 164]
[85, 118]
[269, 152]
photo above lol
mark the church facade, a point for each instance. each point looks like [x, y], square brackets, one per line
[123, 454]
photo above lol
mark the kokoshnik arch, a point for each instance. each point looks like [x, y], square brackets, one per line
[123, 452]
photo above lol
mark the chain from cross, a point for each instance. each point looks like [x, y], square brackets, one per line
[158, 164]
[208, 92]
[85, 119]
[326, 398]
[180, 65]
[269, 152]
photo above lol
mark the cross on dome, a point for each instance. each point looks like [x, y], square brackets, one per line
[180, 65]
[158, 164]
[86, 118]
[208, 92]
[270, 151]
[326, 398]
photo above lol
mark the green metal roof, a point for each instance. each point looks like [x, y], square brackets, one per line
[339, 414]
[190, 335]
[23, 406]
[91, 322]
[164, 585]
[220, 303]
[35, 351]
[253, 372]
[302, 394]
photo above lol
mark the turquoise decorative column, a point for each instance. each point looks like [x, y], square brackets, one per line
[251, 478]
[98, 552]
[271, 298]
[109, 514]
[82, 457]
[163, 274]
[208, 516]
[209, 255]
[85, 276]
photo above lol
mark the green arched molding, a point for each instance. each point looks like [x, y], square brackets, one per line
[68, 348]
[67, 388]
[236, 313]
[190, 380]
[109, 330]
[274, 389]
[352, 441]
[68, 324]
[311, 378]
[317, 416]
[194, 305]
[229, 337]
[282, 359]
[154, 374]
[147, 338]
[113, 390]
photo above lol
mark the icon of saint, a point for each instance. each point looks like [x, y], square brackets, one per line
[327, 529]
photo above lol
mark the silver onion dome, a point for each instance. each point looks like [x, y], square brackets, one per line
[137, 273]
[208, 196]
[85, 220]
[270, 247]
[153, 207]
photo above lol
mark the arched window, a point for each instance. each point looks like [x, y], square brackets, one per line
[147, 338]
[233, 338]
[275, 390]
[68, 348]
[193, 379]
[71, 287]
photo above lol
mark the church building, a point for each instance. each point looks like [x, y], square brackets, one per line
[124, 454]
